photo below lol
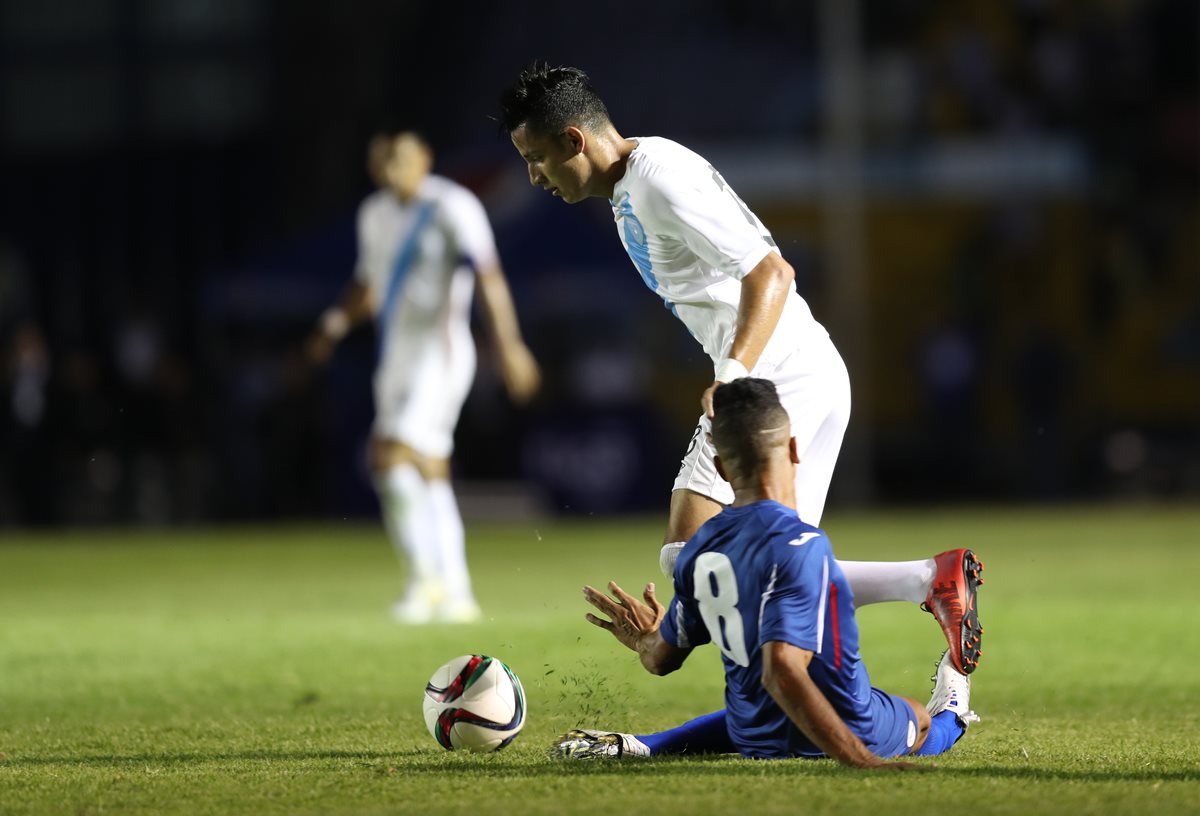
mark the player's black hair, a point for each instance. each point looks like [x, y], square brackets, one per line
[549, 100]
[392, 126]
[748, 420]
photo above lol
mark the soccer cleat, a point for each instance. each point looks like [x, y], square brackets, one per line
[582, 743]
[419, 605]
[413, 611]
[466, 611]
[952, 602]
[951, 692]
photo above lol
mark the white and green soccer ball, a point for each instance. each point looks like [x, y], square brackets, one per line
[474, 702]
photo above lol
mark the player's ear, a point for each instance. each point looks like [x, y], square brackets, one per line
[576, 138]
[792, 452]
[720, 470]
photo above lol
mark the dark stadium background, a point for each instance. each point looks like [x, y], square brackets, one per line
[993, 206]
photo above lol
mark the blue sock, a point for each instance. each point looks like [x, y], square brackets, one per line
[944, 731]
[703, 735]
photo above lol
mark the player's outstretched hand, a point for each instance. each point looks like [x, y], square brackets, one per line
[628, 618]
[522, 377]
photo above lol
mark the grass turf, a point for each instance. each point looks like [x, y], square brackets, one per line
[256, 671]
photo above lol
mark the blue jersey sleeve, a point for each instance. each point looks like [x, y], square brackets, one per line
[682, 626]
[794, 603]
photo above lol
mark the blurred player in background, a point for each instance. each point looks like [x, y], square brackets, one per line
[782, 615]
[701, 249]
[423, 242]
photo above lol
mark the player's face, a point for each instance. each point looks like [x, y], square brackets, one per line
[557, 164]
[407, 166]
[379, 150]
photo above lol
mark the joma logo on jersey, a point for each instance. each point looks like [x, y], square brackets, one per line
[803, 539]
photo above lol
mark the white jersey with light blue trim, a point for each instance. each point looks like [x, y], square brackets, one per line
[417, 260]
[693, 240]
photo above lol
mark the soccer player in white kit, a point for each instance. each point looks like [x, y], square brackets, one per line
[700, 248]
[423, 242]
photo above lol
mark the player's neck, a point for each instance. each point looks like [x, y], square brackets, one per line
[610, 154]
[774, 483]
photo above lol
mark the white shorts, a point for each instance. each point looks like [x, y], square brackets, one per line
[814, 387]
[420, 404]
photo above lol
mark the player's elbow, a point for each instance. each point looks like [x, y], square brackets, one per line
[770, 682]
[658, 666]
[663, 662]
[782, 272]
[772, 273]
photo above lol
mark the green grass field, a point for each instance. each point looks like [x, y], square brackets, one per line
[256, 671]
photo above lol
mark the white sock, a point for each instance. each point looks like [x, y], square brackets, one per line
[452, 548]
[880, 581]
[668, 555]
[404, 499]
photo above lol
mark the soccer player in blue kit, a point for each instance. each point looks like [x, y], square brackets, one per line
[765, 588]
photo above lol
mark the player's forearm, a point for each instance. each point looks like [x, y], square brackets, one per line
[499, 312]
[353, 307]
[764, 294]
[786, 679]
[808, 708]
[657, 656]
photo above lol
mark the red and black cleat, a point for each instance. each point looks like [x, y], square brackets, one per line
[951, 601]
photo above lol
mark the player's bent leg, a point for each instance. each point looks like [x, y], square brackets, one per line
[946, 586]
[689, 511]
[883, 581]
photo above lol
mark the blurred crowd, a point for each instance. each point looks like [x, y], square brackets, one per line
[1035, 341]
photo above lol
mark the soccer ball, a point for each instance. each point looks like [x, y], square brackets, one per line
[474, 702]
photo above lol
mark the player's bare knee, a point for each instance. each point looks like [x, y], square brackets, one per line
[383, 454]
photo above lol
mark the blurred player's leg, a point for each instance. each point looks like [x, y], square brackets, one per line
[459, 605]
[418, 424]
[404, 499]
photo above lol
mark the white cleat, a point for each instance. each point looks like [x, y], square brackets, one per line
[582, 743]
[413, 610]
[420, 604]
[951, 692]
[459, 612]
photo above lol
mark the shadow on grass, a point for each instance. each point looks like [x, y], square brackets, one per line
[424, 761]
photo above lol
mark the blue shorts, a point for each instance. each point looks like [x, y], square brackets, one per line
[893, 725]
[890, 730]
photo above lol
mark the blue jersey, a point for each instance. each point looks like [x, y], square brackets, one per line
[757, 574]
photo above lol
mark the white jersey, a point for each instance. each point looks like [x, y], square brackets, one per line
[417, 258]
[693, 240]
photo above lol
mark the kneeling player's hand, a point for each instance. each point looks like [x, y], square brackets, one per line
[629, 618]
[901, 766]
